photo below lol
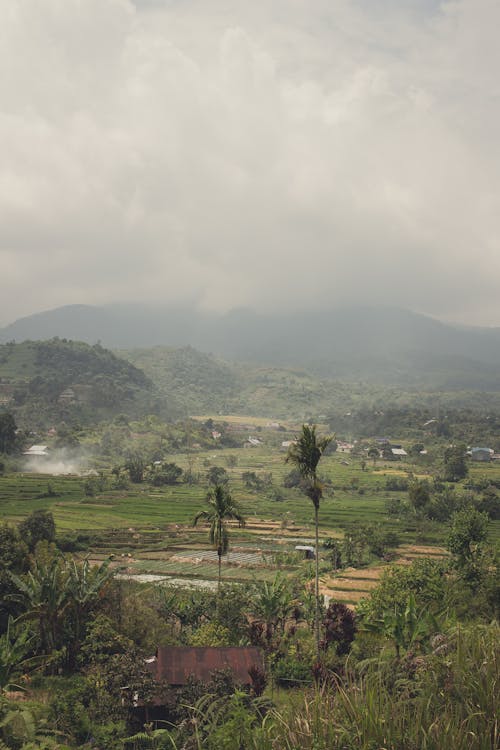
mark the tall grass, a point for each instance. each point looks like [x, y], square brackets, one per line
[446, 700]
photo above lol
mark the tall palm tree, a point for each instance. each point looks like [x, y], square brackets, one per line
[222, 508]
[305, 453]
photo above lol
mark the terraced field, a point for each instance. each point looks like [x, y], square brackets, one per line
[351, 585]
[149, 529]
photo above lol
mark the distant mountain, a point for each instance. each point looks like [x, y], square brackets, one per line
[384, 345]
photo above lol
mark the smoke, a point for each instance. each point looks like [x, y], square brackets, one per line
[61, 461]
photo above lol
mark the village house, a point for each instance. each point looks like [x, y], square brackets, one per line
[481, 454]
[37, 450]
[175, 665]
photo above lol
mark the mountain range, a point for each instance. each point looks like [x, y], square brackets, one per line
[387, 345]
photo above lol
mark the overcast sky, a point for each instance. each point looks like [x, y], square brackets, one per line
[261, 153]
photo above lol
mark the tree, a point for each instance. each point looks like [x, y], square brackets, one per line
[373, 453]
[222, 508]
[455, 466]
[136, 466]
[37, 527]
[406, 626]
[167, 473]
[13, 559]
[468, 530]
[419, 494]
[84, 586]
[58, 594]
[340, 627]
[271, 603]
[14, 647]
[8, 438]
[217, 475]
[416, 449]
[305, 453]
[44, 592]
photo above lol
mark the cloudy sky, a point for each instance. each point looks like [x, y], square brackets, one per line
[269, 154]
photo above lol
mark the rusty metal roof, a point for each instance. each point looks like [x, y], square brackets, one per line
[175, 664]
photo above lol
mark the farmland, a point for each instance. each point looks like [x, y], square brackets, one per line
[148, 529]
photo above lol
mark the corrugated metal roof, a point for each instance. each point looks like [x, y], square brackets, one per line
[175, 664]
[398, 452]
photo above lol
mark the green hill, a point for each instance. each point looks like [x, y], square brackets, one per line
[42, 381]
[192, 382]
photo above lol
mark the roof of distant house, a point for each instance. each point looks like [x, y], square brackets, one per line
[175, 664]
[398, 452]
[36, 450]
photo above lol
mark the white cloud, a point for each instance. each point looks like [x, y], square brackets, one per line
[276, 153]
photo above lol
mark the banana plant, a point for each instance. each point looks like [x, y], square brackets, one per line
[14, 647]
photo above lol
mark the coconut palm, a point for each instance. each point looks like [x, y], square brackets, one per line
[222, 508]
[305, 453]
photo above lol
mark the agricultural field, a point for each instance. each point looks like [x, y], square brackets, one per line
[149, 529]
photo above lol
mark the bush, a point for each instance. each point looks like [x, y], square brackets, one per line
[396, 484]
[166, 474]
[75, 543]
[290, 672]
[292, 479]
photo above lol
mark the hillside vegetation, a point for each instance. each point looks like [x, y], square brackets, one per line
[46, 382]
[192, 382]
[68, 380]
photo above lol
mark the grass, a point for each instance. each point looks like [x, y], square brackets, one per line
[450, 703]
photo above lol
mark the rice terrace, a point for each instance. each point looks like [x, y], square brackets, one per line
[148, 530]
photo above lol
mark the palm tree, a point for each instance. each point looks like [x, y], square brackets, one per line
[305, 453]
[222, 508]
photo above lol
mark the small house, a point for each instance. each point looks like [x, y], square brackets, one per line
[175, 665]
[481, 454]
[398, 452]
[308, 551]
[254, 441]
[36, 450]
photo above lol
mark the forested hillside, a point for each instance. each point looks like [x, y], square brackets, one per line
[68, 380]
[59, 380]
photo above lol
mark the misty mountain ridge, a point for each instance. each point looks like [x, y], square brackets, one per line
[376, 344]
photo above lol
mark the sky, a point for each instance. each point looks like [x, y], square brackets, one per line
[273, 154]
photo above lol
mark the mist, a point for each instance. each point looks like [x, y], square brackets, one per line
[277, 156]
